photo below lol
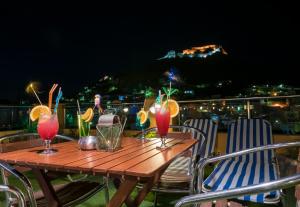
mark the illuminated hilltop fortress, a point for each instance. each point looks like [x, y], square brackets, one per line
[196, 52]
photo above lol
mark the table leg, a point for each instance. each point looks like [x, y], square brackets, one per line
[126, 187]
[46, 187]
[124, 190]
[147, 187]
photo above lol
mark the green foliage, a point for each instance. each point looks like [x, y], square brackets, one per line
[149, 92]
[170, 91]
[32, 126]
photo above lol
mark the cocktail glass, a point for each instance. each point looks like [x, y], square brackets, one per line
[48, 128]
[162, 117]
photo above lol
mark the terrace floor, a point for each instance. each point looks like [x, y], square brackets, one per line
[286, 158]
[166, 200]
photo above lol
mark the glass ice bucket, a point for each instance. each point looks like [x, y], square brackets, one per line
[109, 130]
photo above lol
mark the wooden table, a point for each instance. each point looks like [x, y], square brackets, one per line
[135, 161]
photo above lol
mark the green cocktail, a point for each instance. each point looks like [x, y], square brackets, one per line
[83, 127]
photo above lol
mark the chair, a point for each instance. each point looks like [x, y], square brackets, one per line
[178, 176]
[245, 166]
[183, 165]
[209, 128]
[275, 185]
[16, 192]
[69, 194]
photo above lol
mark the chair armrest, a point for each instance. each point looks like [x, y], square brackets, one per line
[237, 192]
[11, 136]
[64, 137]
[203, 162]
[24, 181]
[19, 195]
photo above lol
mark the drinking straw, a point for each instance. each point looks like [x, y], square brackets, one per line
[169, 94]
[78, 107]
[31, 86]
[50, 95]
[59, 95]
[159, 94]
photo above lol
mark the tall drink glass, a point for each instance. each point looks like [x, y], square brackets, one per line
[48, 129]
[162, 117]
[83, 127]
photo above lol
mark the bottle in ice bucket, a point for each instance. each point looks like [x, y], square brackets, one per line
[109, 130]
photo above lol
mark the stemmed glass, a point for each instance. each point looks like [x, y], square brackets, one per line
[162, 117]
[48, 129]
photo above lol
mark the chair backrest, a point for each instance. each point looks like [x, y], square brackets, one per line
[209, 128]
[188, 132]
[248, 133]
[19, 141]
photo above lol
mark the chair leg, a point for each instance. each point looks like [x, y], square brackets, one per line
[106, 195]
[8, 197]
[155, 199]
[106, 192]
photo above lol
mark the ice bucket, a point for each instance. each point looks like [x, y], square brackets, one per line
[109, 130]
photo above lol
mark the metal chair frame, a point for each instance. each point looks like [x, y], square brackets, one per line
[199, 170]
[29, 190]
[17, 193]
[192, 164]
[25, 181]
[283, 183]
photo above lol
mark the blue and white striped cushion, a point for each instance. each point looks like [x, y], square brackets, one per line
[209, 128]
[248, 169]
[181, 165]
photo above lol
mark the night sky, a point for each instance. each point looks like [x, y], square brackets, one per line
[74, 46]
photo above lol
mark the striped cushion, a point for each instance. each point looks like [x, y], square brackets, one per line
[179, 169]
[248, 169]
[177, 174]
[179, 166]
[209, 128]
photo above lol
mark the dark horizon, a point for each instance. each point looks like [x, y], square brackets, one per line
[76, 48]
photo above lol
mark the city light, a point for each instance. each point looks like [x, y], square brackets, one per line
[125, 109]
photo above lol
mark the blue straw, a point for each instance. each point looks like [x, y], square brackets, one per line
[59, 95]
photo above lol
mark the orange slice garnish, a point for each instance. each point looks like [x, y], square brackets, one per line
[143, 116]
[38, 110]
[173, 107]
[88, 115]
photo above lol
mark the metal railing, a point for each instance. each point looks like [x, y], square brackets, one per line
[283, 112]
[14, 117]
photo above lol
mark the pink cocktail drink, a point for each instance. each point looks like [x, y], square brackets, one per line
[48, 128]
[162, 121]
[162, 117]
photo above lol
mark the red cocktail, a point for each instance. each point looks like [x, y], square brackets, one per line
[48, 129]
[162, 117]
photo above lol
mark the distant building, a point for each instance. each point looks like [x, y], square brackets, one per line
[196, 52]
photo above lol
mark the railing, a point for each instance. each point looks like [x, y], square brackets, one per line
[283, 112]
[14, 117]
